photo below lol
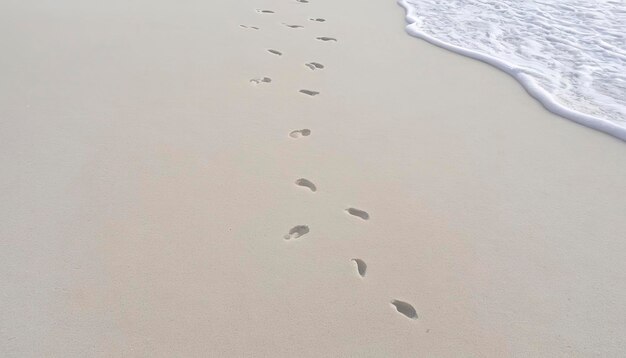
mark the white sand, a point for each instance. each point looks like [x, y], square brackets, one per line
[146, 187]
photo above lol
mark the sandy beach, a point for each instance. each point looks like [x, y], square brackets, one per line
[151, 177]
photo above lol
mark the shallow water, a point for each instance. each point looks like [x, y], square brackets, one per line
[569, 54]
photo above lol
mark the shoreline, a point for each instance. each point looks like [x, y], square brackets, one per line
[530, 85]
[154, 201]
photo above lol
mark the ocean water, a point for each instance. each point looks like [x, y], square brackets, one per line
[568, 54]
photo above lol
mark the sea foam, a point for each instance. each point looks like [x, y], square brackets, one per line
[568, 54]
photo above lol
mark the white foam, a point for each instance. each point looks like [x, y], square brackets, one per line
[569, 54]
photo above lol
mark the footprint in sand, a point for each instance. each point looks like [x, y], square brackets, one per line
[326, 39]
[319, 19]
[405, 308]
[260, 11]
[300, 133]
[277, 53]
[261, 80]
[358, 213]
[296, 232]
[361, 266]
[314, 66]
[249, 27]
[309, 92]
[307, 184]
[294, 26]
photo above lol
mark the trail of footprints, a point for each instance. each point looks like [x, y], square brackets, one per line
[300, 133]
[358, 213]
[306, 184]
[361, 266]
[309, 92]
[326, 38]
[314, 66]
[261, 80]
[299, 231]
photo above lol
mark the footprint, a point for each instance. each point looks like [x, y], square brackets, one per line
[314, 66]
[294, 26]
[405, 308]
[325, 39]
[319, 19]
[307, 184]
[360, 213]
[275, 52]
[261, 80]
[361, 266]
[300, 133]
[249, 27]
[297, 231]
[309, 92]
[264, 11]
